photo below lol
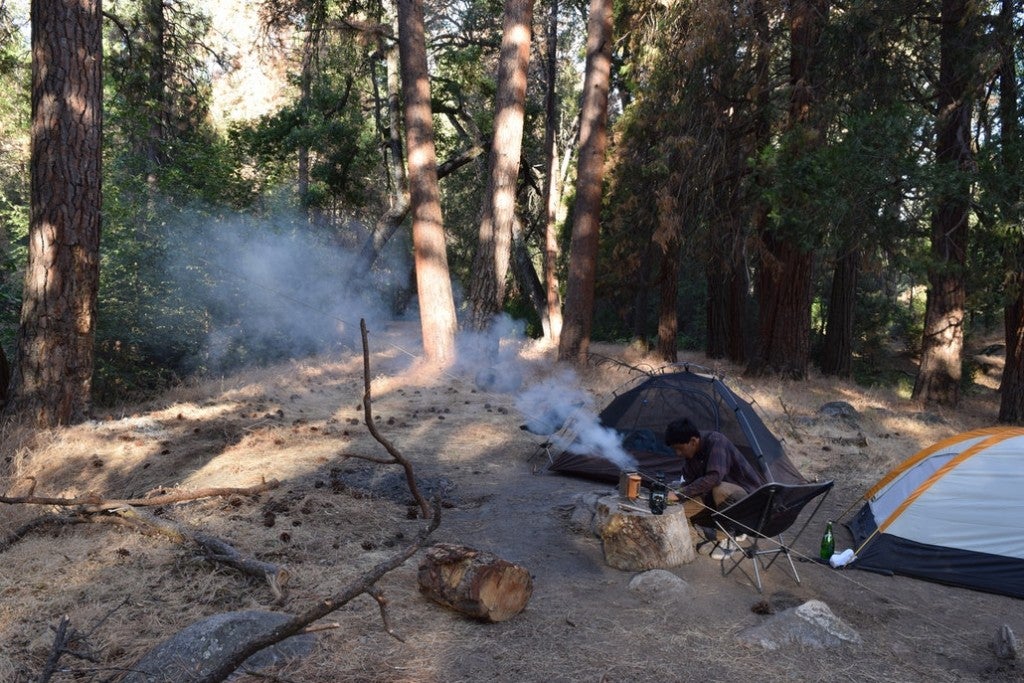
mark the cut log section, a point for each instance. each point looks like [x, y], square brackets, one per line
[636, 540]
[474, 582]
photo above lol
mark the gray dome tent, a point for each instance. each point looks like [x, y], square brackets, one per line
[641, 413]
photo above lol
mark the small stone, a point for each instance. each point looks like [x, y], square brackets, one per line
[1006, 645]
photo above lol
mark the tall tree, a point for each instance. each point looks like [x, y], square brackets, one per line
[579, 295]
[938, 378]
[490, 265]
[315, 15]
[433, 284]
[552, 319]
[1011, 404]
[784, 274]
[53, 375]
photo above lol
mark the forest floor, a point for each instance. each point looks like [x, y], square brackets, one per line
[334, 516]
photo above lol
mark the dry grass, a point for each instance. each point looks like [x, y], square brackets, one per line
[335, 516]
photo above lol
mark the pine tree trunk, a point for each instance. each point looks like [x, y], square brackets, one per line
[668, 317]
[579, 296]
[433, 282]
[726, 301]
[786, 265]
[837, 357]
[530, 286]
[53, 375]
[938, 378]
[552, 186]
[494, 244]
[1011, 405]
[738, 316]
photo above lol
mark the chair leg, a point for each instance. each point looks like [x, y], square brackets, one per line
[748, 554]
[784, 550]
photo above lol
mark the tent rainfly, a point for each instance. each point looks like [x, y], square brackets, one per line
[953, 513]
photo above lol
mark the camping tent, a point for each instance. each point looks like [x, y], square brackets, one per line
[642, 411]
[952, 513]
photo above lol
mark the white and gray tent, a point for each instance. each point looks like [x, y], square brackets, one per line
[953, 513]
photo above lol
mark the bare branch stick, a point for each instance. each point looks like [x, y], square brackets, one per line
[215, 549]
[388, 446]
[371, 458]
[60, 641]
[40, 522]
[95, 503]
[382, 602]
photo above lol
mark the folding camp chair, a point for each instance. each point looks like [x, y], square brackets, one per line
[763, 516]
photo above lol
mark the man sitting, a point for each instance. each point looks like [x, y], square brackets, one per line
[715, 473]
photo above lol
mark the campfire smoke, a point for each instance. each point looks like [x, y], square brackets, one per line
[558, 408]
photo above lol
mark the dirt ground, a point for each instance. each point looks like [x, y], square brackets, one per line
[334, 516]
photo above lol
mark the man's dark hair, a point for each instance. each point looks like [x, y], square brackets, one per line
[680, 431]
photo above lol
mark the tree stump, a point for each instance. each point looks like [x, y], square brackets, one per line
[474, 582]
[634, 539]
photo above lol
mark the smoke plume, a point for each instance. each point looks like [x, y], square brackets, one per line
[560, 409]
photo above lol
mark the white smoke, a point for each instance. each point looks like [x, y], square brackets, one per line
[276, 288]
[492, 357]
[559, 408]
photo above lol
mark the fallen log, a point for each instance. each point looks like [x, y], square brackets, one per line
[474, 582]
[96, 503]
[215, 549]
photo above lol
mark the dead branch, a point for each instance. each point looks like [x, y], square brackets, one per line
[63, 640]
[95, 503]
[40, 522]
[363, 584]
[369, 458]
[213, 548]
[60, 641]
[410, 478]
[382, 602]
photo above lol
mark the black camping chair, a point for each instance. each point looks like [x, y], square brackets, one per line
[763, 516]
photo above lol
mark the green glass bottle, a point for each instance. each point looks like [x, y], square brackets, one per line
[828, 543]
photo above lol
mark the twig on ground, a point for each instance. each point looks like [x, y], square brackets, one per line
[63, 639]
[378, 595]
[215, 549]
[41, 522]
[60, 641]
[95, 503]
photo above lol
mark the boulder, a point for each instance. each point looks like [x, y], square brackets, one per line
[203, 646]
[658, 585]
[811, 624]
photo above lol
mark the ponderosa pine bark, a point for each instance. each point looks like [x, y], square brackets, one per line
[491, 262]
[552, 318]
[938, 378]
[433, 283]
[784, 275]
[53, 374]
[1011, 390]
[579, 295]
[667, 241]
